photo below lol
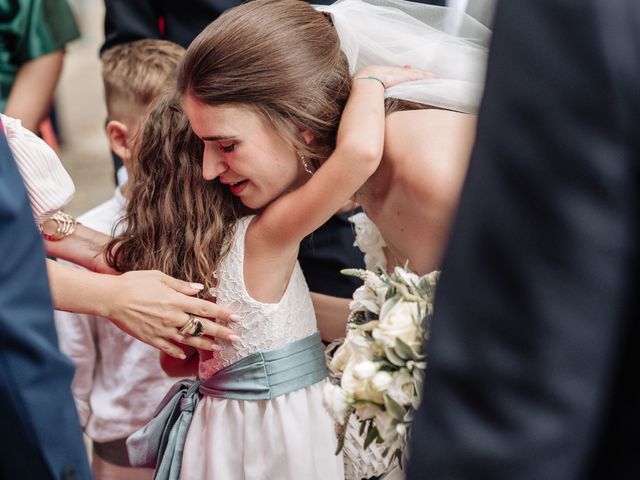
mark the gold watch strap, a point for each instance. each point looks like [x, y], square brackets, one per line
[57, 226]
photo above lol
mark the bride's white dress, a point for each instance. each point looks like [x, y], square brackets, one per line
[289, 437]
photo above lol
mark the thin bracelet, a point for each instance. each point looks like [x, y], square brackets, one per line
[371, 77]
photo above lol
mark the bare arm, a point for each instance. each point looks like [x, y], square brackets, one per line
[149, 305]
[359, 148]
[331, 315]
[83, 247]
[32, 91]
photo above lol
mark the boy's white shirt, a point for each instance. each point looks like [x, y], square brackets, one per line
[118, 381]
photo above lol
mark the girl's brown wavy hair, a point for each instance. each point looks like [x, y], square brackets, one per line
[175, 221]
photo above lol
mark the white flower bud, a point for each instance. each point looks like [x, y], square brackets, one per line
[365, 370]
[335, 401]
[381, 381]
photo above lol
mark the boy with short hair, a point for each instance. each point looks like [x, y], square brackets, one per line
[134, 74]
[118, 381]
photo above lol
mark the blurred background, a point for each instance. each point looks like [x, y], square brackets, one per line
[81, 113]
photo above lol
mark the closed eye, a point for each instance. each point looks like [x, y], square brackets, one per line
[228, 148]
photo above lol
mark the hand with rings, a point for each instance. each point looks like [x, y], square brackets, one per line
[193, 327]
[160, 310]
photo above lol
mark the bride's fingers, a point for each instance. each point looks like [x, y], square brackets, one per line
[210, 331]
[169, 348]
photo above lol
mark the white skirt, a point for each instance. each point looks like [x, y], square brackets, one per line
[289, 437]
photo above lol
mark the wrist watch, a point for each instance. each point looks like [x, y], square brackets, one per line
[57, 226]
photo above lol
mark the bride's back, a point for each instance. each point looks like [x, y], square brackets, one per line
[413, 196]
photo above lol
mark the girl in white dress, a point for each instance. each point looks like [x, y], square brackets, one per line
[247, 424]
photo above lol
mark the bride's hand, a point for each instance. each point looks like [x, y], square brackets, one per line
[152, 307]
[392, 75]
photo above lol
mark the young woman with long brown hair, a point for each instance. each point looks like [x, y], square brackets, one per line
[295, 65]
[261, 409]
[265, 88]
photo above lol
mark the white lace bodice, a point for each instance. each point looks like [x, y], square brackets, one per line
[263, 326]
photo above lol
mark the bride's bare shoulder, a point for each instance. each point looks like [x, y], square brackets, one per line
[436, 143]
[429, 127]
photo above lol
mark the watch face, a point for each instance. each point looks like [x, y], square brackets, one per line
[49, 227]
[58, 226]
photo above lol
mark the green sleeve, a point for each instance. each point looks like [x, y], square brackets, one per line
[28, 30]
[50, 27]
[36, 27]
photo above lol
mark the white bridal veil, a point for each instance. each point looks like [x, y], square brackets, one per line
[396, 32]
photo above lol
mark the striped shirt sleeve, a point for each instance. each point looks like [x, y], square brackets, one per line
[48, 184]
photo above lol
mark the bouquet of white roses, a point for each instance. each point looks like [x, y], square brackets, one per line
[379, 368]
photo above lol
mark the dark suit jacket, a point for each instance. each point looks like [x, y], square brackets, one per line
[40, 434]
[533, 346]
[129, 20]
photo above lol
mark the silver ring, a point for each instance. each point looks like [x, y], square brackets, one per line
[193, 327]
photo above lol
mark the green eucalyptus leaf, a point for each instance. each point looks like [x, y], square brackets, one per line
[405, 351]
[388, 305]
[372, 435]
[340, 445]
[355, 272]
[396, 410]
[393, 357]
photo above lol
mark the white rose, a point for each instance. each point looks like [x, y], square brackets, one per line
[401, 322]
[402, 389]
[381, 381]
[356, 347]
[365, 370]
[340, 358]
[357, 387]
[364, 300]
[335, 401]
[353, 385]
[360, 344]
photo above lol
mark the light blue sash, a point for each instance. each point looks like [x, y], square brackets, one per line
[260, 376]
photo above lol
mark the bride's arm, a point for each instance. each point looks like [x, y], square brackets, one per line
[331, 315]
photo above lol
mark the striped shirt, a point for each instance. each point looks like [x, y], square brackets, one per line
[48, 184]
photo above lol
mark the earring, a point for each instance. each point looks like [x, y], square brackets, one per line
[305, 165]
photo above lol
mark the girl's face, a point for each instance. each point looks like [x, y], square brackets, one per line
[244, 152]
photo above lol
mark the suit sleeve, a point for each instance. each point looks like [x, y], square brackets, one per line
[41, 432]
[534, 310]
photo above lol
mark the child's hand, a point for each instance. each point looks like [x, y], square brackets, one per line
[390, 75]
